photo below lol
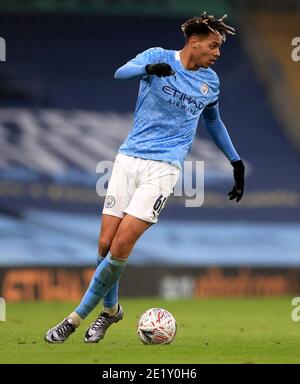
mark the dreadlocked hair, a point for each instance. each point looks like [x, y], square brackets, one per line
[204, 24]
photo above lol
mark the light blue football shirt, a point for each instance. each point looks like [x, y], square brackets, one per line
[168, 108]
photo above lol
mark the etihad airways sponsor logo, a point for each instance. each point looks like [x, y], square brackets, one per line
[183, 101]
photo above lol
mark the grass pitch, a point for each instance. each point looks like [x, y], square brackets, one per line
[209, 331]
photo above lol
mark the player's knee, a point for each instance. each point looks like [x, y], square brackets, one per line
[122, 245]
[103, 246]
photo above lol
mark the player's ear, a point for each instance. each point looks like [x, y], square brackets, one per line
[193, 42]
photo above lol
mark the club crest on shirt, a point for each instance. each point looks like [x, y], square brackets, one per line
[204, 89]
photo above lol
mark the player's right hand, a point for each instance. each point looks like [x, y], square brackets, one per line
[160, 69]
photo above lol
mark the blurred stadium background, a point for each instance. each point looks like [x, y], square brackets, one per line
[61, 112]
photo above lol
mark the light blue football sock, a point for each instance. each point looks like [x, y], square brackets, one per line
[110, 299]
[106, 275]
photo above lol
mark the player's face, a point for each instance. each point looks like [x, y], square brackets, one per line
[206, 50]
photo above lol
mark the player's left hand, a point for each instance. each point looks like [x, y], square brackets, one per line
[238, 174]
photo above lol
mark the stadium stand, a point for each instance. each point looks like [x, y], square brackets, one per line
[61, 112]
[272, 53]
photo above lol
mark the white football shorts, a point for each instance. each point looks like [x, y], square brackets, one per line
[139, 187]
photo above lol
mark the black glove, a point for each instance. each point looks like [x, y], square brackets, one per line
[160, 69]
[238, 174]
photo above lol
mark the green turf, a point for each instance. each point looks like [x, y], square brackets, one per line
[209, 331]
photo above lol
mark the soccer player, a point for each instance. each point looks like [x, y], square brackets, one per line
[176, 87]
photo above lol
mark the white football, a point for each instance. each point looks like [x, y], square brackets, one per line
[156, 326]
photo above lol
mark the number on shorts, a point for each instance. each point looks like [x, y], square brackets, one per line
[158, 205]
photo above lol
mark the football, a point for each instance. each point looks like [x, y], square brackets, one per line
[156, 326]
